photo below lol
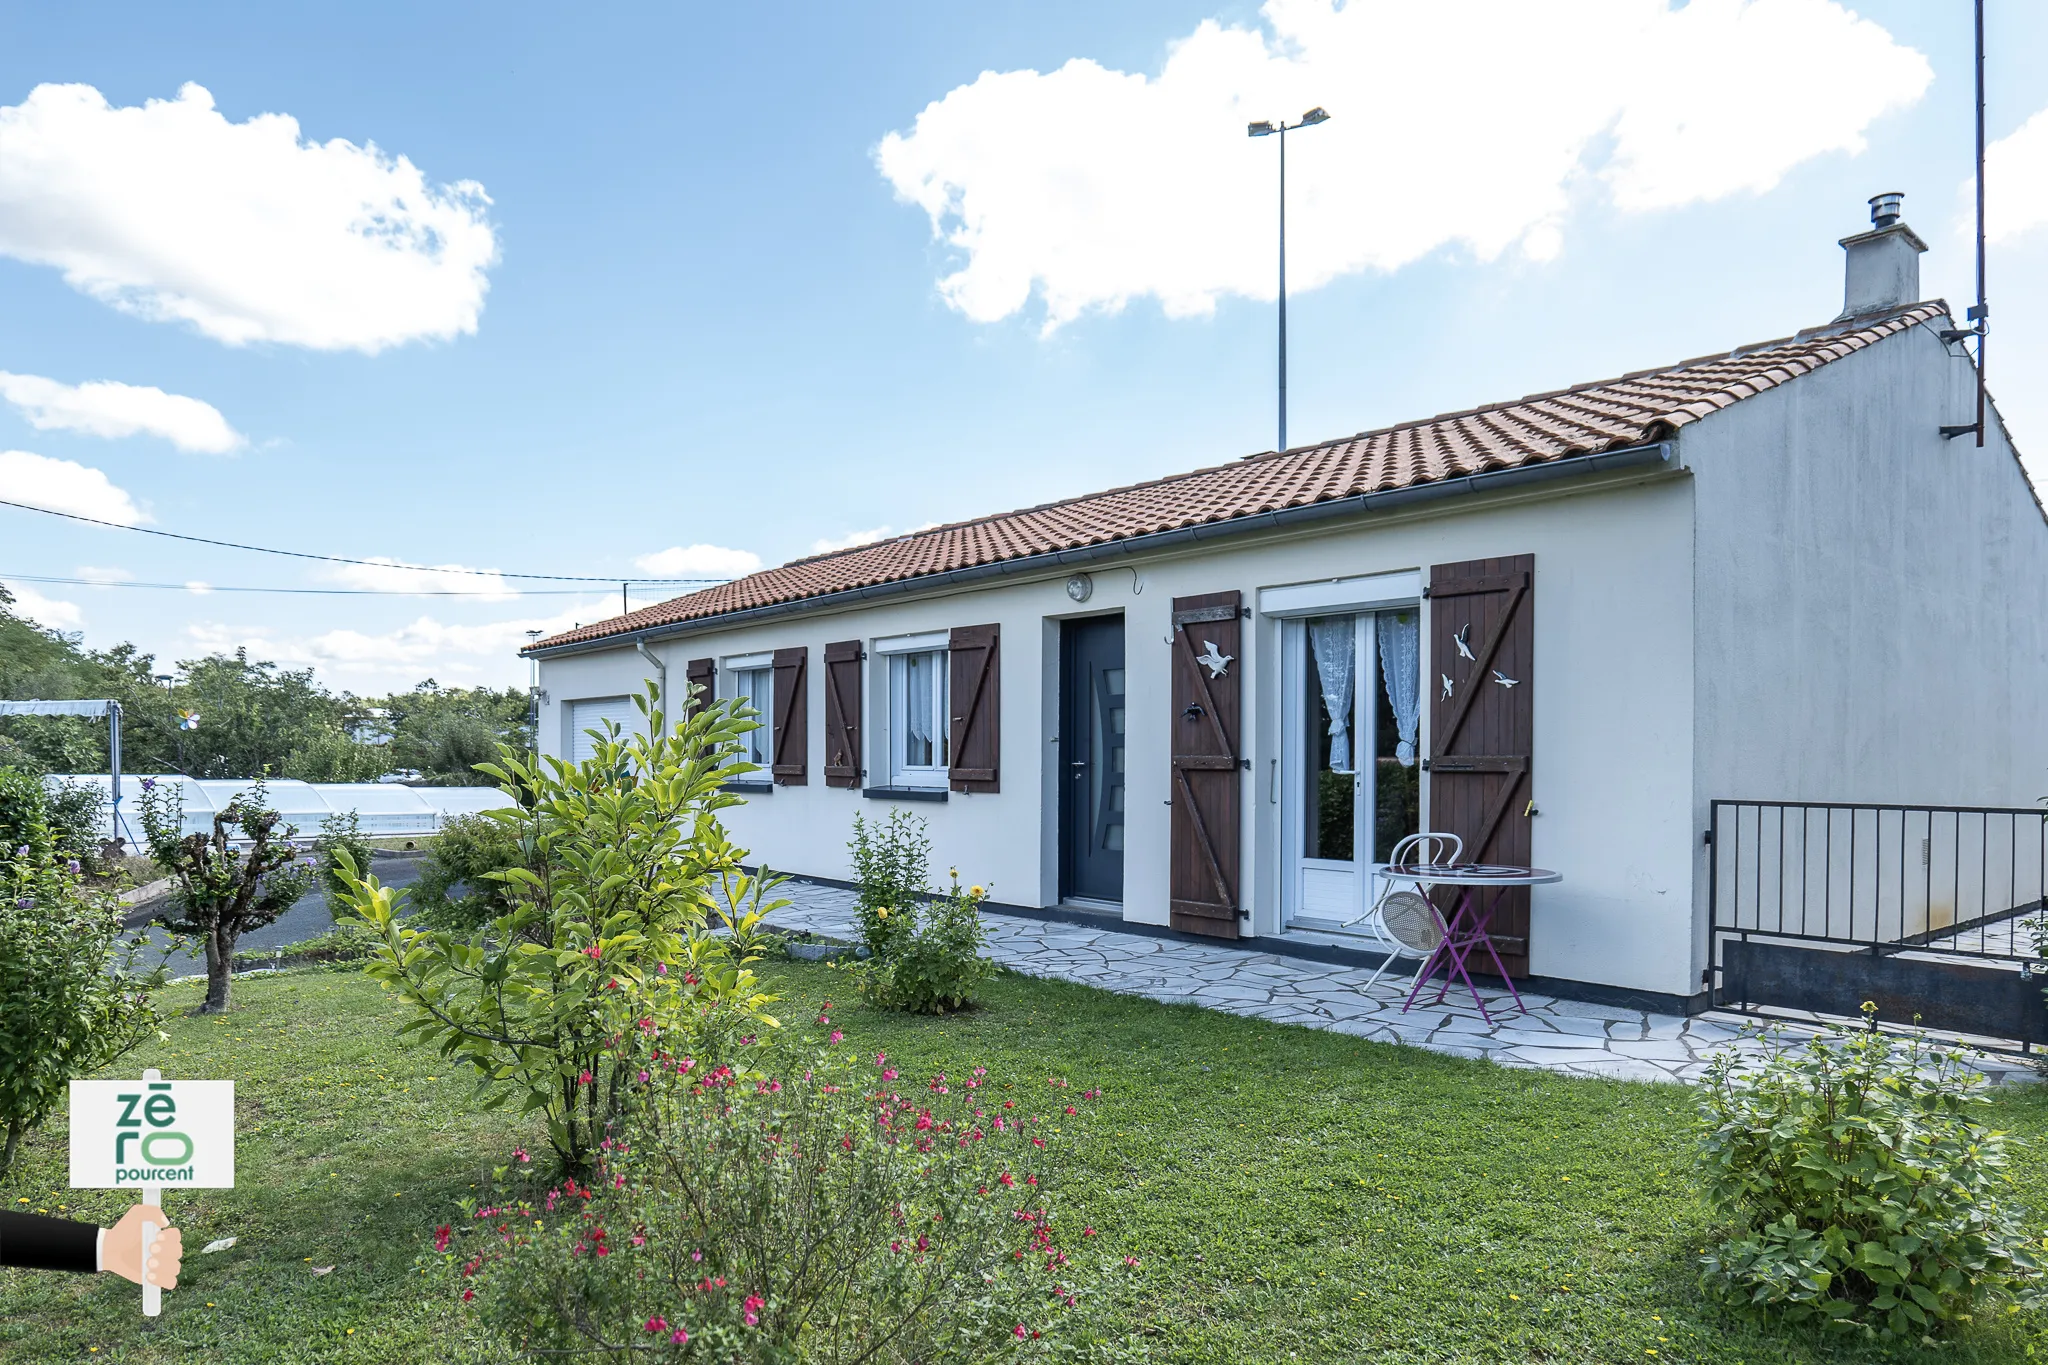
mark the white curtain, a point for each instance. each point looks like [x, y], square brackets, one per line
[1330, 640]
[917, 709]
[1400, 635]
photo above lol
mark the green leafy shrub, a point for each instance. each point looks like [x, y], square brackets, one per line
[71, 999]
[609, 930]
[1866, 1190]
[341, 830]
[934, 963]
[807, 1212]
[457, 886]
[891, 871]
[64, 819]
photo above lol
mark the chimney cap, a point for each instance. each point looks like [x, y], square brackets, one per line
[1885, 208]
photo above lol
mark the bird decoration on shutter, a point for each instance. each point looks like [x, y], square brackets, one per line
[1447, 686]
[1464, 649]
[1504, 680]
[1217, 663]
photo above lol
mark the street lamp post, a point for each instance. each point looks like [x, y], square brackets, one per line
[1283, 128]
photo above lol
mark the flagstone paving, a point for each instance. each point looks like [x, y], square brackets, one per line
[1557, 1035]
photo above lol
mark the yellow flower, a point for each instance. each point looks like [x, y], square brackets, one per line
[974, 891]
[882, 913]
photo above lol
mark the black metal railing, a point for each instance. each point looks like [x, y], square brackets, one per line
[1816, 906]
[1951, 879]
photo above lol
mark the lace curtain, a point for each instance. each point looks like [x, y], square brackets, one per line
[1330, 641]
[917, 709]
[1400, 637]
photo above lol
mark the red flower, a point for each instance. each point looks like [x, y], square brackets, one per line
[441, 1236]
[657, 1323]
[753, 1305]
[468, 1294]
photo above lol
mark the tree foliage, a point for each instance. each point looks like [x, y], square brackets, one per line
[71, 998]
[241, 876]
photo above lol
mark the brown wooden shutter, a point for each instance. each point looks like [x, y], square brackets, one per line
[1481, 734]
[974, 700]
[792, 737]
[1207, 790]
[701, 677]
[842, 714]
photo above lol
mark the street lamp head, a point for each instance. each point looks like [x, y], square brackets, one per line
[1260, 129]
[1315, 116]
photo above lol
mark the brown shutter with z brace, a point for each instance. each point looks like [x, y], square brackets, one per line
[1482, 725]
[700, 681]
[1207, 790]
[974, 702]
[792, 736]
[842, 714]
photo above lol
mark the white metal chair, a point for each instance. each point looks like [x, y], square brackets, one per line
[1402, 919]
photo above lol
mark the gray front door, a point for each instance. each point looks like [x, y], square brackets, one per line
[1092, 759]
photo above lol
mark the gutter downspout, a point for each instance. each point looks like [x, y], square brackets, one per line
[661, 678]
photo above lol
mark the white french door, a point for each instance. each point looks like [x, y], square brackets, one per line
[1347, 785]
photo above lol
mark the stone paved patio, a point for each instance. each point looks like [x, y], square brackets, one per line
[1557, 1035]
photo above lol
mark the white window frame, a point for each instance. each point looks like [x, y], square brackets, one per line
[897, 662]
[732, 670]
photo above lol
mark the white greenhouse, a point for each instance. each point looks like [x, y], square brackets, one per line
[381, 808]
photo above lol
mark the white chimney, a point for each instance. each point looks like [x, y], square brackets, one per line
[1884, 263]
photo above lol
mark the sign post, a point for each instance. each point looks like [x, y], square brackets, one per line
[149, 1135]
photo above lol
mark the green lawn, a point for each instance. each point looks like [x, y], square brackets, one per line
[1292, 1195]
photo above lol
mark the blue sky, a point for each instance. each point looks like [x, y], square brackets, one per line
[701, 309]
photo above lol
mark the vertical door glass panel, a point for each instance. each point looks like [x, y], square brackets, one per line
[1106, 755]
[1397, 808]
[1329, 802]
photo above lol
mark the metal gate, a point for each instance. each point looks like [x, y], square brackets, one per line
[1932, 913]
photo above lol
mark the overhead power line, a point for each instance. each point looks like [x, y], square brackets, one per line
[316, 592]
[342, 559]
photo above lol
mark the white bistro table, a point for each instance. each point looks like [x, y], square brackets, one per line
[1466, 930]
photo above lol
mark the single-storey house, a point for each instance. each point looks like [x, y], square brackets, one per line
[1559, 627]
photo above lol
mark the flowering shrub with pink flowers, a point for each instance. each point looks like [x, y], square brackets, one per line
[827, 1209]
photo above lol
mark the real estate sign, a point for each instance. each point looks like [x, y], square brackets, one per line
[169, 1134]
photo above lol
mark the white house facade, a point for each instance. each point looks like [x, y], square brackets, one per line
[1559, 627]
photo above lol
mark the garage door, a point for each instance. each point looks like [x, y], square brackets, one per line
[585, 716]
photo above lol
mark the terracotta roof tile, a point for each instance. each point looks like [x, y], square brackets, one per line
[1631, 410]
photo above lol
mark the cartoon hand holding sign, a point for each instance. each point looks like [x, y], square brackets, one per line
[149, 1134]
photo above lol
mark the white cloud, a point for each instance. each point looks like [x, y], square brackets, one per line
[2015, 182]
[244, 231]
[198, 587]
[45, 611]
[95, 574]
[699, 561]
[107, 408]
[62, 486]
[391, 575]
[464, 655]
[853, 539]
[1465, 124]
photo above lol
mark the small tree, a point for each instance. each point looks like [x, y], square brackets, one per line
[70, 999]
[240, 877]
[892, 873]
[622, 864]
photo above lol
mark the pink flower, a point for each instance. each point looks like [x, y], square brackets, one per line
[583, 1079]
[890, 1074]
[824, 1019]
[661, 969]
[981, 1071]
[753, 1305]
[1087, 1232]
[1020, 1331]
[593, 952]
[679, 1337]
[519, 1155]
[643, 1081]
[881, 1057]
[837, 1035]
[441, 1236]
[657, 1323]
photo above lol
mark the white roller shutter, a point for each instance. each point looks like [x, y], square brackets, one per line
[585, 716]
